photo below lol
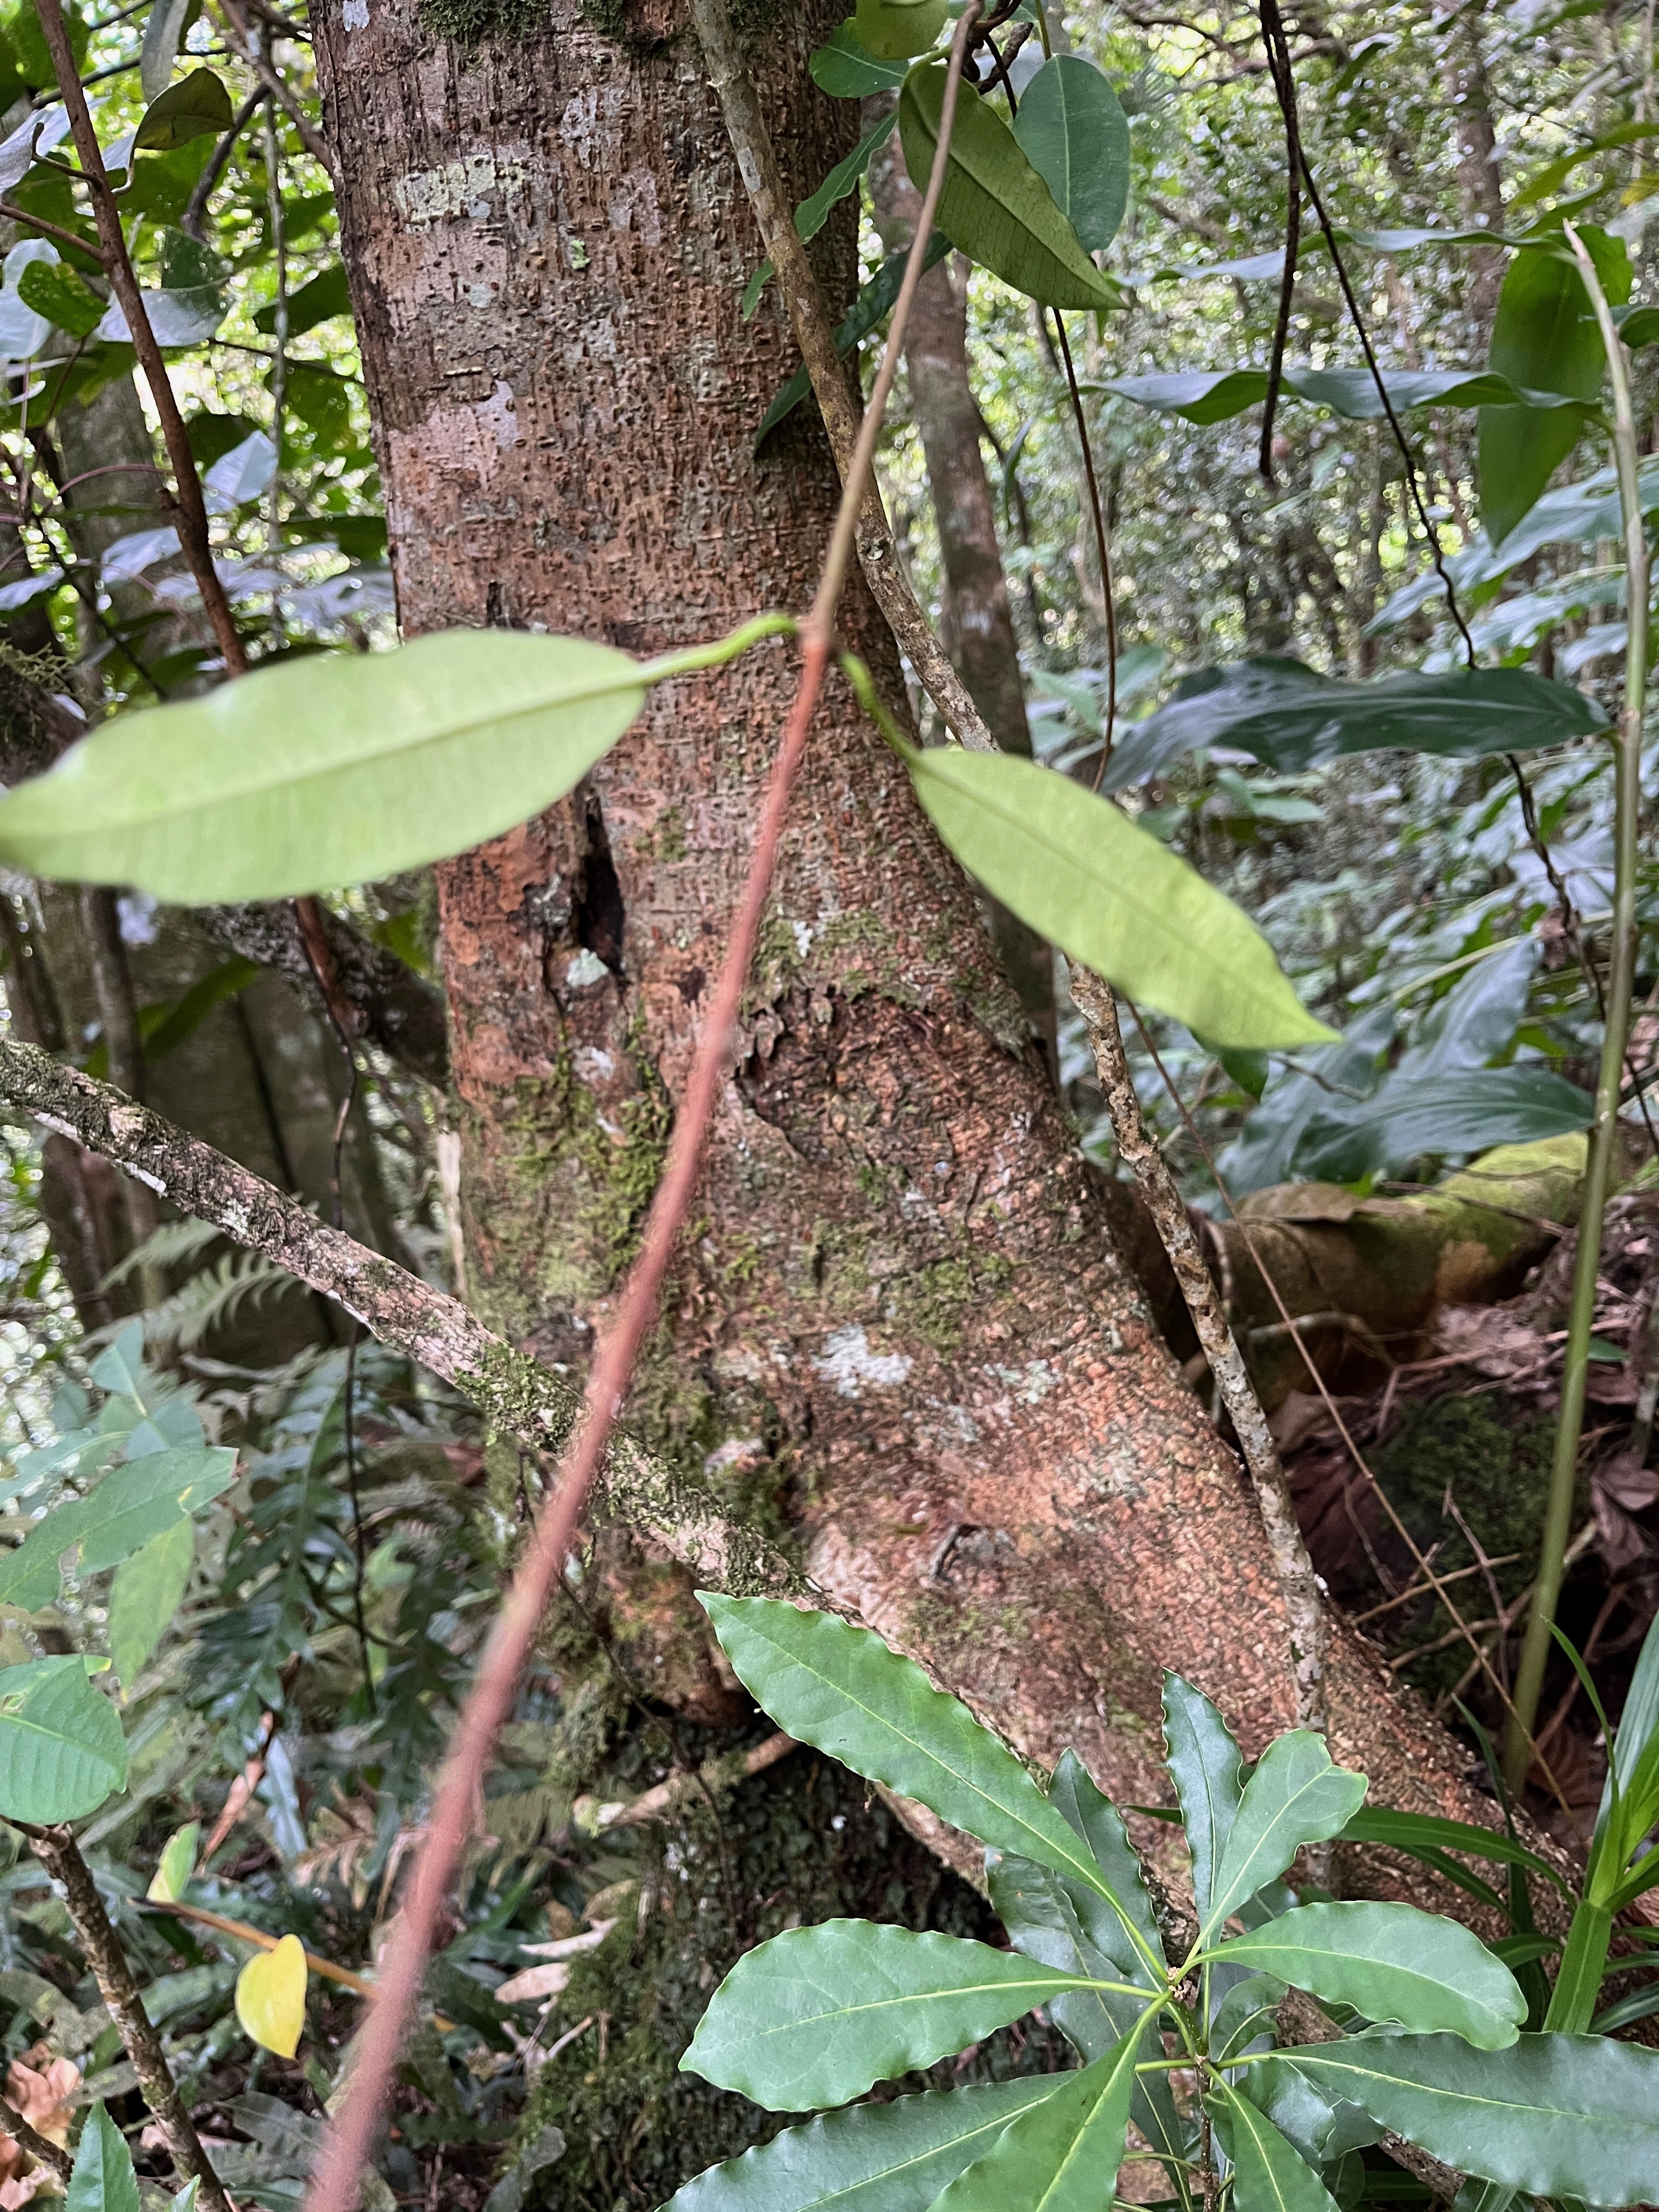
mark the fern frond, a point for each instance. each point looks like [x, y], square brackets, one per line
[166, 1247]
[215, 1296]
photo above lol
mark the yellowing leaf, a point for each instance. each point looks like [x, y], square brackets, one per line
[893, 29]
[271, 1996]
[175, 1866]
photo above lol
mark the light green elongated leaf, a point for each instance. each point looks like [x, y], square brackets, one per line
[145, 1595]
[185, 2200]
[1109, 894]
[1072, 128]
[131, 1505]
[1556, 2115]
[893, 30]
[842, 1689]
[868, 2158]
[874, 302]
[814, 211]
[1207, 1773]
[1297, 1795]
[1390, 1962]
[335, 769]
[1064, 1926]
[62, 1751]
[162, 32]
[103, 2179]
[1063, 2155]
[845, 68]
[819, 2015]
[1543, 336]
[1269, 2174]
[199, 107]
[1097, 1820]
[174, 1868]
[995, 206]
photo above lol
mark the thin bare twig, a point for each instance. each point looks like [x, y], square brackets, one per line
[460, 1787]
[1304, 1610]
[60, 1854]
[41, 2148]
[250, 48]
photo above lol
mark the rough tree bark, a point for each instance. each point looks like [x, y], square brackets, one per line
[901, 1306]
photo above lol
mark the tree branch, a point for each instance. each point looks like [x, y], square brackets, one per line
[1298, 1585]
[773, 211]
[517, 1397]
[41, 2148]
[247, 46]
[60, 1854]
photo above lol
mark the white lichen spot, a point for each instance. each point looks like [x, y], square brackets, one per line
[847, 1362]
[586, 970]
[593, 1063]
[354, 15]
[803, 937]
[631, 205]
[732, 1453]
[462, 187]
[499, 414]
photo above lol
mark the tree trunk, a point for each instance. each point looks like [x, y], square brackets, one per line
[978, 623]
[900, 1312]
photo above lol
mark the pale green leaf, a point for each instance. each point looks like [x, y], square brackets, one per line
[1556, 2115]
[1295, 1795]
[144, 1595]
[1248, 2010]
[841, 1689]
[130, 1506]
[1072, 128]
[1388, 1962]
[869, 2158]
[1063, 2155]
[175, 1866]
[893, 30]
[1088, 1810]
[995, 205]
[325, 770]
[162, 34]
[1109, 895]
[819, 2014]
[845, 67]
[62, 1751]
[1208, 1776]
[103, 2179]
[1269, 2175]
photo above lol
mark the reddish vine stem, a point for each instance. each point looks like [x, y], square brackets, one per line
[460, 1787]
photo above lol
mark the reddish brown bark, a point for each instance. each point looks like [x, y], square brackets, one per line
[900, 1304]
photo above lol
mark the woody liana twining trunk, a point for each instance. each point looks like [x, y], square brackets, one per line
[899, 1312]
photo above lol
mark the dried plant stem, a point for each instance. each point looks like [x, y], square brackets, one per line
[1604, 1130]
[459, 1788]
[60, 1854]
[1298, 1585]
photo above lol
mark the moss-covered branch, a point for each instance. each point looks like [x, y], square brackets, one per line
[517, 1395]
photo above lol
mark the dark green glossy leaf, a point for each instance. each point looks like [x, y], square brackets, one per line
[869, 2158]
[1390, 1962]
[872, 306]
[198, 108]
[344, 768]
[1295, 1795]
[1269, 2175]
[1110, 894]
[1088, 1810]
[1291, 718]
[842, 1689]
[1544, 338]
[1556, 2115]
[1207, 395]
[1246, 2012]
[1072, 128]
[819, 2015]
[1467, 1110]
[1072, 1928]
[1412, 1832]
[325, 295]
[995, 206]
[1064, 2154]
[845, 68]
[61, 1748]
[1206, 1770]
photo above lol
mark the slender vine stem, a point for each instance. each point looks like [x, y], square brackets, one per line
[1621, 976]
